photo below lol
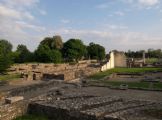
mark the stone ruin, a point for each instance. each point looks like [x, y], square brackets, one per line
[87, 107]
[114, 59]
[56, 101]
[56, 71]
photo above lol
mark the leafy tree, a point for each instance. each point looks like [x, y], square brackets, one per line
[22, 54]
[74, 49]
[58, 44]
[42, 54]
[151, 53]
[5, 62]
[5, 47]
[56, 56]
[54, 42]
[96, 51]
[5, 55]
[46, 55]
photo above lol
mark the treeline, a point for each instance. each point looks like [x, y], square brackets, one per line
[50, 50]
[150, 53]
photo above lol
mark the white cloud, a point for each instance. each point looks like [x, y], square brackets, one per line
[116, 27]
[102, 6]
[43, 12]
[28, 15]
[18, 23]
[120, 13]
[23, 24]
[148, 2]
[105, 5]
[7, 12]
[65, 21]
[112, 40]
[27, 3]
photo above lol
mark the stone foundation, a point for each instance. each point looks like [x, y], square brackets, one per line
[53, 71]
[11, 111]
[92, 108]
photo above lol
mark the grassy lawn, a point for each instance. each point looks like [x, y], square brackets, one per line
[9, 77]
[123, 70]
[130, 84]
[31, 117]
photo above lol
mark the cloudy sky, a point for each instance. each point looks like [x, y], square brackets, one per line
[115, 24]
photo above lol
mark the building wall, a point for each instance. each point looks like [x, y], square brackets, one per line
[56, 71]
[120, 59]
[117, 59]
[110, 64]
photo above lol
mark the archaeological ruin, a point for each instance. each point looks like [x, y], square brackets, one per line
[62, 92]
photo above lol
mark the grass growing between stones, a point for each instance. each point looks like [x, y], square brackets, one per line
[123, 70]
[143, 85]
[31, 117]
[9, 77]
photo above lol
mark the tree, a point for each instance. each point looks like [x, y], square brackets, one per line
[5, 55]
[46, 55]
[23, 54]
[56, 56]
[54, 42]
[74, 49]
[42, 54]
[5, 47]
[58, 44]
[96, 51]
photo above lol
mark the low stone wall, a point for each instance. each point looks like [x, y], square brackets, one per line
[53, 71]
[91, 108]
[31, 88]
[11, 111]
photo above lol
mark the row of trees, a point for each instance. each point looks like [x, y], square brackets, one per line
[150, 53]
[50, 50]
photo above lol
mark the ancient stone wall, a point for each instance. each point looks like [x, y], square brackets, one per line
[55, 71]
[117, 59]
[11, 111]
[120, 59]
[92, 108]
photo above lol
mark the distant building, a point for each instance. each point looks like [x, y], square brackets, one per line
[114, 59]
[135, 62]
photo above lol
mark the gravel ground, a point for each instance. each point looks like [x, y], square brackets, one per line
[128, 94]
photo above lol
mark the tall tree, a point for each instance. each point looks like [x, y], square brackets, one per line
[5, 47]
[56, 56]
[58, 44]
[42, 54]
[46, 55]
[74, 49]
[5, 55]
[96, 51]
[54, 42]
[23, 54]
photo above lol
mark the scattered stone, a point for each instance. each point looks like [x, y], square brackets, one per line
[11, 100]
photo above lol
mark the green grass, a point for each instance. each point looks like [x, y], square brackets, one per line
[123, 70]
[31, 117]
[151, 60]
[130, 84]
[9, 77]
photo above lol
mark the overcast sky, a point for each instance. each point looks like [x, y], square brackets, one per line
[115, 24]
